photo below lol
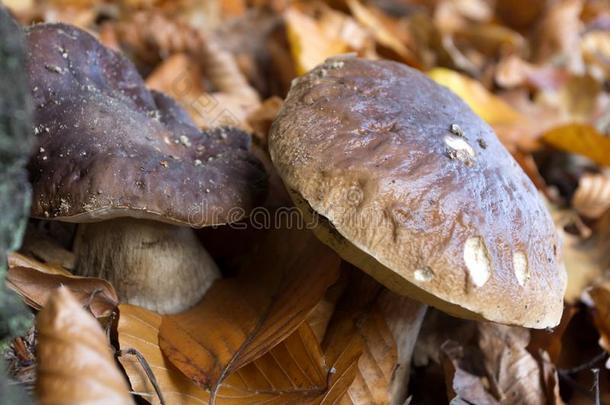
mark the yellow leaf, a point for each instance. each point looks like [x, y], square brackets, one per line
[582, 139]
[313, 40]
[489, 107]
[75, 362]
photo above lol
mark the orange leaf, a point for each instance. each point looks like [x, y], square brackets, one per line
[294, 371]
[138, 329]
[239, 319]
[75, 361]
[35, 282]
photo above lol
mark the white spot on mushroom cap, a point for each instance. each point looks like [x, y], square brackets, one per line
[477, 260]
[459, 144]
[521, 268]
[423, 274]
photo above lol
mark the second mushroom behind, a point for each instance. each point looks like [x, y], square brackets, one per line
[132, 168]
[403, 180]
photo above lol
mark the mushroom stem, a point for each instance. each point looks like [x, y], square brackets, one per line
[154, 265]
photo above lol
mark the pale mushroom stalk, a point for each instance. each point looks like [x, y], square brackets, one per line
[154, 265]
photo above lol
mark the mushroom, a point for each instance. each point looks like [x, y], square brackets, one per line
[403, 180]
[131, 167]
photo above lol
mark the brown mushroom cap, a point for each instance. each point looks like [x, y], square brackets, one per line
[110, 148]
[416, 189]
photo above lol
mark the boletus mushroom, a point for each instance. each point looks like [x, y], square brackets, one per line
[131, 167]
[403, 180]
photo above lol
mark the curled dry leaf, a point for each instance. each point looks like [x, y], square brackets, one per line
[558, 35]
[496, 368]
[599, 296]
[388, 33]
[389, 330]
[75, 360]
[36, 281]
[232, 98]
[592, 196]
[240, 319]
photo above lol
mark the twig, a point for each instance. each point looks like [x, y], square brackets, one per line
[595, 387]
[147, 370]
[90, 299]
[586, 366]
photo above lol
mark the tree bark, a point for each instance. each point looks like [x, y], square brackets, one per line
[16, 140]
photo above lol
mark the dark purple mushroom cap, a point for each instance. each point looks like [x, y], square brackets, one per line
[110, 148]
[413, 187]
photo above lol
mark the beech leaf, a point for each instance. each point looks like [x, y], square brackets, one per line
[35, 282]
[239, 319]
[294, 371]
[75, 360]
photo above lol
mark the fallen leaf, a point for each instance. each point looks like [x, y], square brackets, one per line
[230, 100]
[387, 32]
[389, 330]
[294, 371]
[75, 360]
[35, 282]
[558, 36]
[592, 196]
[496, 368]
[313, 40]
[489, 107]
[550, 341]
[138, 329]
[600, 298]
[260, 120]
[43, 247]
[240, 319]
[582, 139]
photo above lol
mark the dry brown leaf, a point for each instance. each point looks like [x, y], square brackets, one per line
[592, 196]
[138, 329]
[496, 369]
[229, 102]
[239, 319]
[595, 48]
[551, 341]
[43, 247]
[600, 298]
[294, 371]
[313, 40]
[388, 33]
[489, 107]
[75, 360]
[36, 281]
[389, 331]
[558, 36]
[260, 120]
